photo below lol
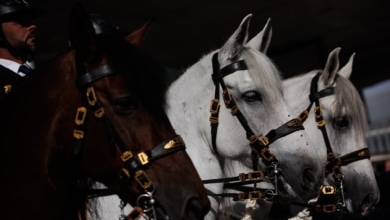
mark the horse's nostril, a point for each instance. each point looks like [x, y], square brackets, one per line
[309, 180]
[367, 204]
[308, 175]
[194, 210]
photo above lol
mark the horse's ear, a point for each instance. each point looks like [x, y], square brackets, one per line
[233, 46]
[137, 37]
[346, 71]
[81, 33]
[263, 39]
[331, 67]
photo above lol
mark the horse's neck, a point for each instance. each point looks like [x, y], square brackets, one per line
[193, 90]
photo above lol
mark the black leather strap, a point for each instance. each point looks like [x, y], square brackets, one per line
[229, 69]
[88, 78]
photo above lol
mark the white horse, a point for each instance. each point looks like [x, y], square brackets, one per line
[257, 90]
[292, 165]
[344, 123]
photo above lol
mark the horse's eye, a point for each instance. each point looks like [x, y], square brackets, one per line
[252, 96]
[124, 105]
[341, 122]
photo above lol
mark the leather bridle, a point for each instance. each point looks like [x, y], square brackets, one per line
[259, 145]
[331, 198]
[133, 164]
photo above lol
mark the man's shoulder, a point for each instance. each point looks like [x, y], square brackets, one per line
[6, 73]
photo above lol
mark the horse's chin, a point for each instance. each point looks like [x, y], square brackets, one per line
[361, 213]
[365, 212]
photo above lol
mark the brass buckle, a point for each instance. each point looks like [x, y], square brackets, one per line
[213, 120]
[255, 195]
[302, 117]
[234, 110]
[256, 175]
[321, 124]
[143, 157]
[267, 155]
[337, 174]
[264, 140]
[91, 96]
[80, 115]
[78, 134]
[214, 106]
[294, 123]
[144, 184]
[329, 208]
[252, 139]
[227, 97]
[126, 156]
[317, 112]
[330, 155]
[99, 112]
[364, 153]
[328, 190]
[177, 141]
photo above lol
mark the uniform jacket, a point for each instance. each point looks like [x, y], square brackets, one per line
[8, 81]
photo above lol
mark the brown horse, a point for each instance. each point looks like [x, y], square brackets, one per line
[94, 113]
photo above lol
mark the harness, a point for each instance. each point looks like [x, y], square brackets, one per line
[133, 164]
[331, 197]
[259, 145]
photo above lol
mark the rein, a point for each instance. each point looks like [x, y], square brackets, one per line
[331, 198]
[259, 145]
[133, 164]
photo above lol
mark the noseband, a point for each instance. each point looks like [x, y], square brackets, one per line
[133, 165]
[259, 145]
[331, 198]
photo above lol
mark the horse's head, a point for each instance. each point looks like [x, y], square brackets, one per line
[276, 139]
[346, 125]
[336, 121]
[124, 136]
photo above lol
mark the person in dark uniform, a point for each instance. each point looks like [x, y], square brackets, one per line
[17, 42]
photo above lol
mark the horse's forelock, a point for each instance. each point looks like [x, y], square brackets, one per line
[349, 99]
[138, 69]
[263, 67]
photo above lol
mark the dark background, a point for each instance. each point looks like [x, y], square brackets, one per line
[304, 31]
